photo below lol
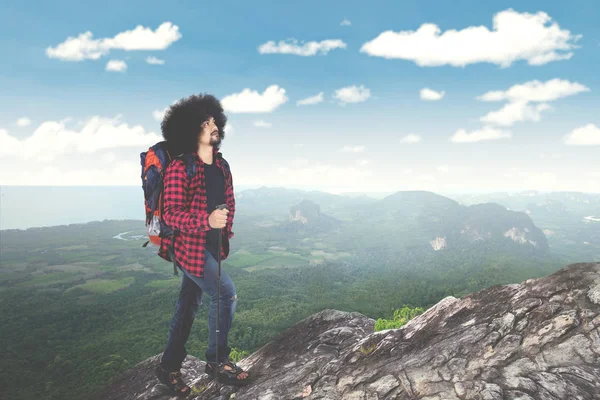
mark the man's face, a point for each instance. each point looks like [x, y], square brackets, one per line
[209, 135]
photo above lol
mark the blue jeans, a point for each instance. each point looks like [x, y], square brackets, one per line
[190, 299]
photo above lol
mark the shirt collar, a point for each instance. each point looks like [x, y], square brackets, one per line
[216, 156]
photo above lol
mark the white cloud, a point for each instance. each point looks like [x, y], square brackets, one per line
[116, 66]
[536, 91]
[159, 114]
[145, 39]
[424, 179]
[9, 145]
[587, 135]
[540, 180]
[155, 61]
[298, 145]
[454, 169]
[520, 96]
[108, 158]
[116, 173]
[362, 163]
[486, 133]
[23, 122]
[515, 36]
[291, 46]
[315, 174]
[481, 177]
[262, 124]
[299, 162]
[352, 94]
[410, 139]
[53, 139]
[229, 129]
[311, 100]
[554, 156]
[515, 112]
[345, 22]
[352, 149]
[432, 95]
[250, 101]
[510, 174]
[84, 47]
[77, 49]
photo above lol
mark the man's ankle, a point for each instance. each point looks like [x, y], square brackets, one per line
[168, 369]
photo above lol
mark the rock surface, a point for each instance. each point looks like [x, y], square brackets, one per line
[536, 340]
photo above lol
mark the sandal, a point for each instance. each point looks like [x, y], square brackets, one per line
[173, 380]
[227, 376]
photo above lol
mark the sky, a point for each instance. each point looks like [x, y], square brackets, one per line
[463, 96]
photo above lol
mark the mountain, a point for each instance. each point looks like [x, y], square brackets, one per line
[27, 206]
[421, 218]
[570, 220]
[306, 212]
[411, 223]
[416, 219]
[538, 339]
[278, 200]
[493, 221]
[306, 217]
[554, 203]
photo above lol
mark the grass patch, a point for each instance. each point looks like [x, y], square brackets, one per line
[10, 276]
[46, 279]
[245, 259]
[104, 286]
[320, 256]
[366, 350]
[164, 283]
[73, 247]
[279, 262]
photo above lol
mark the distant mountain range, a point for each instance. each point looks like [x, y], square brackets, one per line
[410, 218]
[567, 222]
[542, 204]
[278, 200]
[570, 220]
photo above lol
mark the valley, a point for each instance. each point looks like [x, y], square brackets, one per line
[88, 301]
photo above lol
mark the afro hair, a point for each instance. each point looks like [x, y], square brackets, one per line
[182, 122]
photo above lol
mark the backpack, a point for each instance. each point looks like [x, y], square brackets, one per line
[154, 163]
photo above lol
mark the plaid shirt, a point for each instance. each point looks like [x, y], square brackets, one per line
[185, 209]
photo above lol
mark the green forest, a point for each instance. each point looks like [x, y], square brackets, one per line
[84, 302]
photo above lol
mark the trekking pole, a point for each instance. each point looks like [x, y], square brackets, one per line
[220, 207]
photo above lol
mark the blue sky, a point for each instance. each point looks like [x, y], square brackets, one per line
[66, 122]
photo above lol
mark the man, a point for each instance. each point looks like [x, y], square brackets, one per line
[195, 125]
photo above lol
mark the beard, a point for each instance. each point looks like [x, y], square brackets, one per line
[215, 141]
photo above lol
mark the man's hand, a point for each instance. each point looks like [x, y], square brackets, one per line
[218, 218]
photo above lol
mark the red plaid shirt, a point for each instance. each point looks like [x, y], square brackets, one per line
[185, 210]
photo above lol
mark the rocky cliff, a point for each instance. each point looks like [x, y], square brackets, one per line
[306, 216]
[539, 339]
